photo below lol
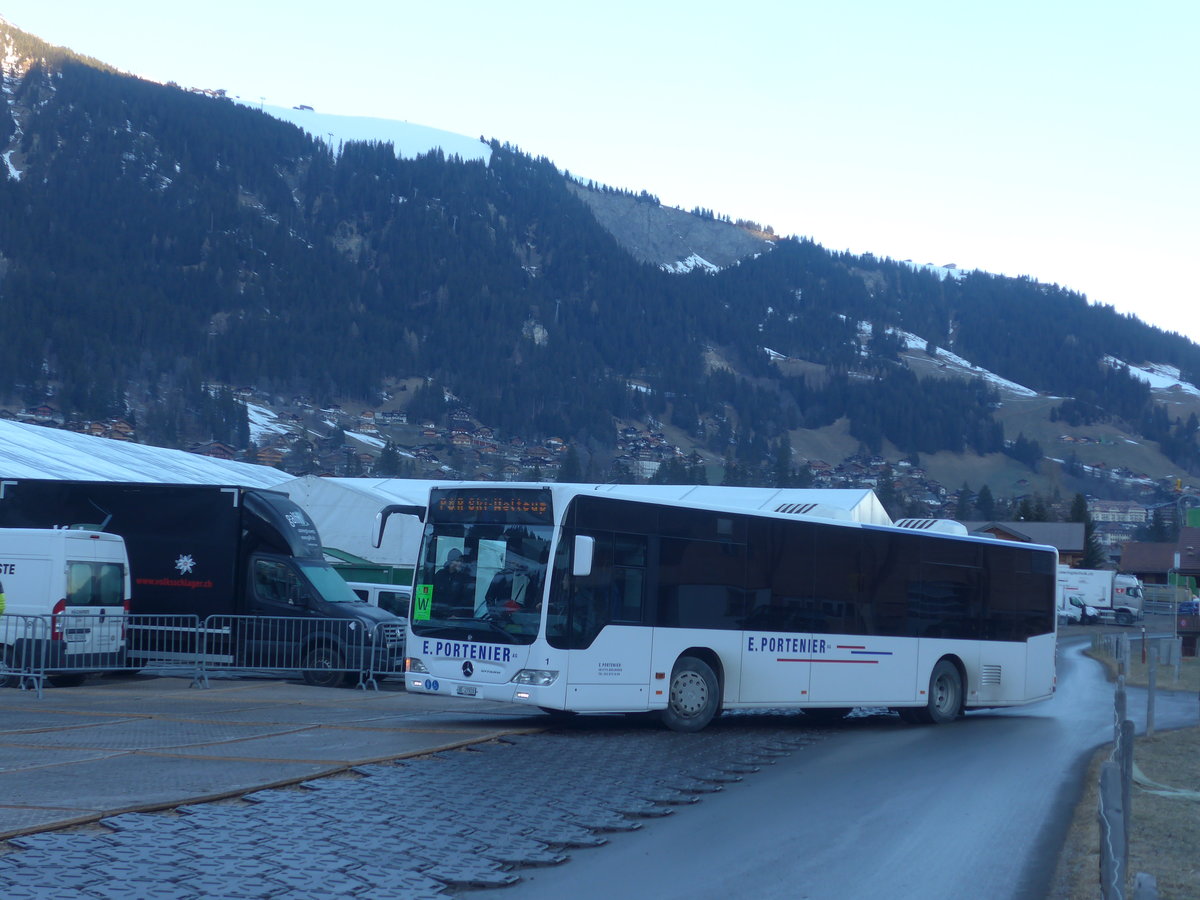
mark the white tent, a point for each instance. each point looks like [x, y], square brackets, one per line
[34, 451]
[344, 509]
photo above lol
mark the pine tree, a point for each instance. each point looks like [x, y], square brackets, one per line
[782, 472]
[985, 504]
[1093, 553]
[388, 464]
[571, 472]
[962, 511]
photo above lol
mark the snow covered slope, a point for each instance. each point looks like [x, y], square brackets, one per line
[409, 141]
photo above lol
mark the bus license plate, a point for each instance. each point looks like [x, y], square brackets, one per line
[465, 690]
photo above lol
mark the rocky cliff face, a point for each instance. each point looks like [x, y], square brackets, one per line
[671, 238]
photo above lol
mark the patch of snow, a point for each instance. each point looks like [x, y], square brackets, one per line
[693, 262]
[369, 440]
[409, 141]
[949, 270]
[915, 342]
[1159, 377]
[1105, 473]
[263, 422]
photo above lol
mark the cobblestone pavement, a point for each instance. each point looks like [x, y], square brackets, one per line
[422, 828]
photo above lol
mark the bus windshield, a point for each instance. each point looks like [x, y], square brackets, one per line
[481, 581]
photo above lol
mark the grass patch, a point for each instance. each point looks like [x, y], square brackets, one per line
[1165, 830]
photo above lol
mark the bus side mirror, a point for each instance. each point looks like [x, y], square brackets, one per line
[585, 548]
[381, 517]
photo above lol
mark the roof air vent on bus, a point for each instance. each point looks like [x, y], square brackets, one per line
[814, 510]
[935, 526]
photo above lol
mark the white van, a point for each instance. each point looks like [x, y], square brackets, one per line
[66, 593]
[392, 598]
[1073, 611]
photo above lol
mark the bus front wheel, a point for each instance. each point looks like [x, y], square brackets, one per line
[694, 695]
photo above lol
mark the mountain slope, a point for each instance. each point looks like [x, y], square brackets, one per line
[156, 243]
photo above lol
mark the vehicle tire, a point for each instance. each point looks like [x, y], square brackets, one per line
[122, 673]
[827, 715]
[694, 696]
[324, 666]
[1124, 618]
[945, 694]
[9, 676]
[63, 681]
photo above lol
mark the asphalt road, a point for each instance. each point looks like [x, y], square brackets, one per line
[978, 808]
[764, 805]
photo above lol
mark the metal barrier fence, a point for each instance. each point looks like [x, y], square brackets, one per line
[63, 649]
[1169, 594]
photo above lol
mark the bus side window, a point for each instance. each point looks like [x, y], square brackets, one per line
[629, 578]
[595, 597]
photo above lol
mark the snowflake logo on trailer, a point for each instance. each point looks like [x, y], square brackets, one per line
[296, 520]
[185, 564]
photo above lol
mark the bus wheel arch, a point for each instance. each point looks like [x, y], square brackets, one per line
[945, 697]
[947, 692]
[694, 691]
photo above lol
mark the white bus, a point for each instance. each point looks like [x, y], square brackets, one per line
[577, 599]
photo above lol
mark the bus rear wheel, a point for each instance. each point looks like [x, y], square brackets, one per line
[694, 695]
[945, 694]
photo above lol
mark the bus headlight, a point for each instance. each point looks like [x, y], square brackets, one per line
[539, 677]
[412, 664]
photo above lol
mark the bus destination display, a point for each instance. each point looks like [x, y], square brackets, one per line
[464, 505]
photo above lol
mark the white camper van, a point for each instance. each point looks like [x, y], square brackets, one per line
[390, 597]
[66, 593]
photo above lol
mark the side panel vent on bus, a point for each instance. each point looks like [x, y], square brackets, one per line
[989, 674]
[813, 510]
[935, 526]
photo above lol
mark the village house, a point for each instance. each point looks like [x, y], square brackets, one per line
[215, 449]
[1124, 511]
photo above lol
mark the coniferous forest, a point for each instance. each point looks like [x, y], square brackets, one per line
[155, 241]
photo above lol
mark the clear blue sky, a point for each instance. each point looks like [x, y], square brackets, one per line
[1052, 139]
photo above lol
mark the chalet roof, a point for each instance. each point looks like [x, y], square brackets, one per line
[1138, 557]
[1188, 548]
[1067, 537]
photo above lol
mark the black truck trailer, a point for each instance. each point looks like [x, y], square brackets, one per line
[222, 553]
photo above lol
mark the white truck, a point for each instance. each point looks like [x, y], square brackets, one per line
[1101, 594]
[66, 594]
